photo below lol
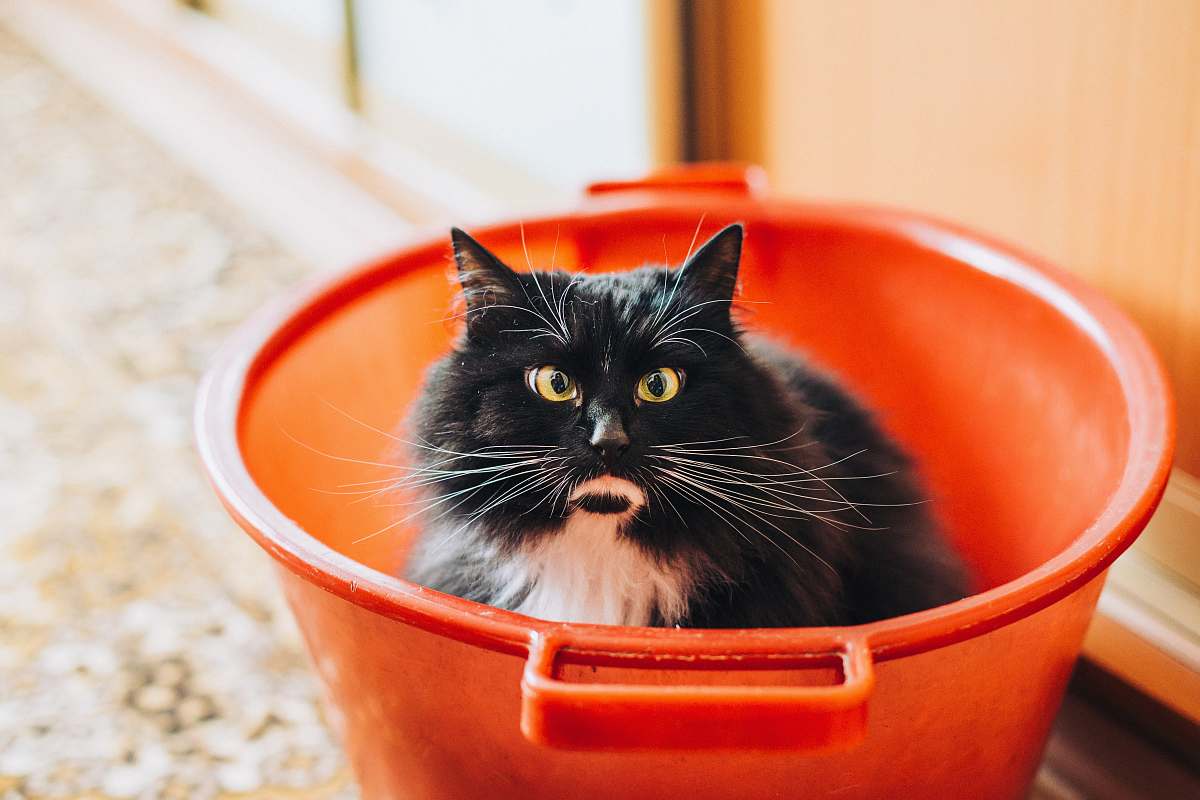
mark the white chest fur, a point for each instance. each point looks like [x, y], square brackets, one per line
[588, 572]
[585, 572]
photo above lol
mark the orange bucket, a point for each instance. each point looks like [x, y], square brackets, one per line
[1039, 415]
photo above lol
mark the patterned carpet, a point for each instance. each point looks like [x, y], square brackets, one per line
[143, 648]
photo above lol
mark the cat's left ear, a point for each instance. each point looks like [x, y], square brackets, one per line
[485, 279]
[713, 269]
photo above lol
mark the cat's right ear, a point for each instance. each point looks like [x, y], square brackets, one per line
[485, 279]
[713, 269]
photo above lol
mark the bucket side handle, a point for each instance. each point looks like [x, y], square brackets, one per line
[627, 716]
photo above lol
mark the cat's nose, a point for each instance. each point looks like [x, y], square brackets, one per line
[610, 440]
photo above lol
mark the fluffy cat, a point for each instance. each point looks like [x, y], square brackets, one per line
[613, 448]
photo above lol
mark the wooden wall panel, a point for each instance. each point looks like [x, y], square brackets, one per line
[1070, 127]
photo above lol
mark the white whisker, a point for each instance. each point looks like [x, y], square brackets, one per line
[695, 236]
[760, 516]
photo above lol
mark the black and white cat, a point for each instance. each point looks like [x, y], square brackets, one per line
[612, 448]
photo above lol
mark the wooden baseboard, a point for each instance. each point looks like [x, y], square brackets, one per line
[1147, 625]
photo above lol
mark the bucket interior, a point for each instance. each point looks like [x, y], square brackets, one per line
[1013, 413]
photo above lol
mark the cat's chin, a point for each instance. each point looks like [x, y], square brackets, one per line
[604, 503]
[608, 495]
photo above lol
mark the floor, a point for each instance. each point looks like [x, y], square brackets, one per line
[1093, 754]
[143, 648]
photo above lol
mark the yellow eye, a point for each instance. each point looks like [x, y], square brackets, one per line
[552, 383]
[660, 385]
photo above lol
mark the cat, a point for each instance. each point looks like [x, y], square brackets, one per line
[614, 448]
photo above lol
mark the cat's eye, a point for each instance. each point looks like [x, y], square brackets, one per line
[659, 385]
[551, 383]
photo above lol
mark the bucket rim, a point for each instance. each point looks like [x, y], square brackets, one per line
[248, 353]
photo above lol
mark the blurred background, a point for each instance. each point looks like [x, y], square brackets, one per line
[166, 167]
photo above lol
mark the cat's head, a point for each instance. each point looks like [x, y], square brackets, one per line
[568, 393]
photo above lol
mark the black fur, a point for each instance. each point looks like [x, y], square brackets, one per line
[801, 442]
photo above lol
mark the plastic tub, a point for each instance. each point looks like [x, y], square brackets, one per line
[1039, 415]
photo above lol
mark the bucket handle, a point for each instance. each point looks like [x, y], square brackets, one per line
[620, 716]
[711, 176]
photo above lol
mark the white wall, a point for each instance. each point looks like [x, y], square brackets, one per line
[556, 87]
[320, 19]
